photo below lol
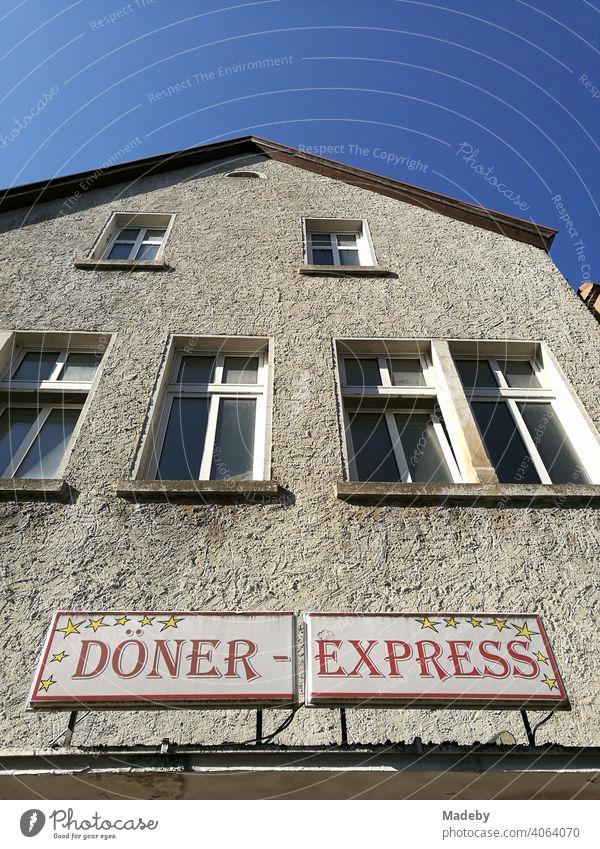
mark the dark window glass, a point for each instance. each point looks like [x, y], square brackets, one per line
[15, 423]
[476, 373]
[322, 257]
[407, 372]
[45, 455]
[80, 368]
[196, 370]
[182, 448]
[362, 372]
[36, 366]
[148, 252]
[504, 444]
[373, 454]
[233, 453]
[519, 374]
[556, 451]
[120, 251]
[349, 257]
[240, 370]
[424, 456]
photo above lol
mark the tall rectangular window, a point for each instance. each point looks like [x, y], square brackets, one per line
[41, 399]
[393, 425]
[515, 407]
[213, 419]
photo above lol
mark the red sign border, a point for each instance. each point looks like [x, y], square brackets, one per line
[558, 702]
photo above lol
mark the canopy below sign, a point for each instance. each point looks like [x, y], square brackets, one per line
[454, 660]
[146, 659]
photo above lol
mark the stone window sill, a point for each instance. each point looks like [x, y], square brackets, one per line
[199, 491]
[32, 489]
[120, 265]
[345, 270]
[468, 494]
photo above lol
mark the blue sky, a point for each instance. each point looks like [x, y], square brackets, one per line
[497, 103]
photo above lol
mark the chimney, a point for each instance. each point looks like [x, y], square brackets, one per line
[590, 295]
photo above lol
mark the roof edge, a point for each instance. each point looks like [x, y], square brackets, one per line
[507, 225]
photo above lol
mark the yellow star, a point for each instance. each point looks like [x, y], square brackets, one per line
[59, 657]
[170, 623]
[524, 631]
[500, 624]
[122, 620]
[551, 682]
[47, 683]
[97, 623]
[427, 623]
[147, 620]
[70, 628]
[541, 657]
[451, 623]
[475, 622]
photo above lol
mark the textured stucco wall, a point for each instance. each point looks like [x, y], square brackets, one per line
[235, 250]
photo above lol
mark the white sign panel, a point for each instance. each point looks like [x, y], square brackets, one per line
[454, 660]
[147, 659]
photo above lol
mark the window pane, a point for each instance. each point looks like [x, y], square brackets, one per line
[422, 449]
[15, 423]
[373, 454]
[80, 368]
[240, 370]
[348, 257]
[233, 454]
[363, 372]
[196, 370]
[36, 366]
[321, 257]
[519, 374]
[45, 455]
[181, 454]
[407, 373]
[154, 235]
[476, 373]
[119, 251]
[346, 240]
[148, 252]
[128, 235]
[321, 239]
[556, 451]
[504, 444]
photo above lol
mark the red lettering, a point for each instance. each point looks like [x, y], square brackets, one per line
[457, 657]
[425, 659]
[142, 656]
[323, 656]
[487, 655]
[233, 658]
[83, 658]
[393, 658]
[197, 656]
[527, 659]
[163, 651]
[364, 660]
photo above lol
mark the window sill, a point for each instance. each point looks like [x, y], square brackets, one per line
[468, 494]
[32, 489]
[120, 265]
[345, 270]
[199, 491]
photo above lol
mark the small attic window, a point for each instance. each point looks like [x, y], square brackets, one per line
[247, 175]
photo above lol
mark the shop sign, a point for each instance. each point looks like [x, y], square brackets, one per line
[140, 659]
[416, 660]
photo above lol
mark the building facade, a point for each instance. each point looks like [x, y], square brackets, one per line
[296, 291]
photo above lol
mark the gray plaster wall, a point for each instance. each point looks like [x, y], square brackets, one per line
[235, 250]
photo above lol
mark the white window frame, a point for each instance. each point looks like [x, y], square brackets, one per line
[335, 227]
[24, 343]
[215, 391]
[513, 396]
[141, 221]
[352, 394]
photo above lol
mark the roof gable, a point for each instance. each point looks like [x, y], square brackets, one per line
[499, 222]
